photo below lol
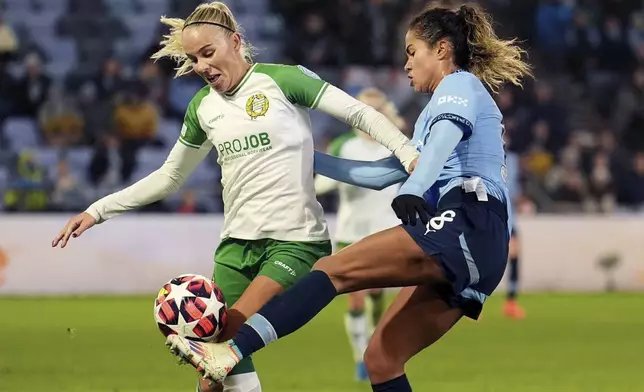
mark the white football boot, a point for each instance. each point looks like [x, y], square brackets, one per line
[212, 360]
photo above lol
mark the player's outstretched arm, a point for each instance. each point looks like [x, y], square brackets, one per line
[344, 107]
[304, 88]
[409, 203]
[376, 175]
[180, 163]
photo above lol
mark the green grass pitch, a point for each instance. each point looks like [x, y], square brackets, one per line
[568, 343]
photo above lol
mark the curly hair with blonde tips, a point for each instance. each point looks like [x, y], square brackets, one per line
[476, 46]
[216, 13]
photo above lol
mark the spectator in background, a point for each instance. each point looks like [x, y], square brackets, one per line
[507, 103]
[552, 20]
[353, 31]
[615, 59]
[639, 54]
[601, 188]
[628, 116]
[96, 114]
[615, 55]
[60, 121]
[630, 191]
[135, 121]
[151, 76]
[31, 90]
[545, 109]
[27, 190]
[571, 192]
[606, 142]
[636, 31]
[619, 161]
[111, 79]
[570, 158]
[68, 193]
[313, 45]
[583, 40]
[538, 159]
[8, 42]
[7, 94]
[104, 167]
[515, 117]
[385, 16]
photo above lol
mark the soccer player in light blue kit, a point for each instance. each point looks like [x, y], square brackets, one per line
[451, 262]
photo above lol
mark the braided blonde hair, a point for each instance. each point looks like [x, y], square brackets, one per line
[216, 13]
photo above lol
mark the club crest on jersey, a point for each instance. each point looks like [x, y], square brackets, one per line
[257, 105]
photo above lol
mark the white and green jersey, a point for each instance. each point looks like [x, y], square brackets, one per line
[262, 134]
[261, 131]
[361, 211]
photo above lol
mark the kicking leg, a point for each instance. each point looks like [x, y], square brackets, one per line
[280, 265]
[417, 318]
[390, 258]
[246, 297]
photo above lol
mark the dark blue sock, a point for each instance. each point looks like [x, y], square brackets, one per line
[285, 313]
[513, 278]
[398, 384]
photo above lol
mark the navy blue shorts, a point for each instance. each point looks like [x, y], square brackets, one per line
[470, 239]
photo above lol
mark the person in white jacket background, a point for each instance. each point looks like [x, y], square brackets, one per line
[362, 212]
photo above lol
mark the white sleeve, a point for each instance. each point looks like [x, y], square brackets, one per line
[324, 184]
[344, 107]
[181, 162]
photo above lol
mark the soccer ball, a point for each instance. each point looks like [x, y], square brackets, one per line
[191, 306]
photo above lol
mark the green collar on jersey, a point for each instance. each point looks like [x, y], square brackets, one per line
[244, 79]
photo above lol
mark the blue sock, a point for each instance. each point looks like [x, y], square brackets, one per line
[398, 384]
[285, 313]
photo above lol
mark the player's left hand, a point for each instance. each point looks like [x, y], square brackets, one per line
[407, 207]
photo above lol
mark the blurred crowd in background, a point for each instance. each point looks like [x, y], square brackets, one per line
[83, 112]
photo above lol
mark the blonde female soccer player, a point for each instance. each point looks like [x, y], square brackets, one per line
[256, 116]
[362, 212]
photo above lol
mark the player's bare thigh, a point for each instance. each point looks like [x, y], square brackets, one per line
[389, 258]
[417, 318]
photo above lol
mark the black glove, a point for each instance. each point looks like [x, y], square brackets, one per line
[407, 206]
